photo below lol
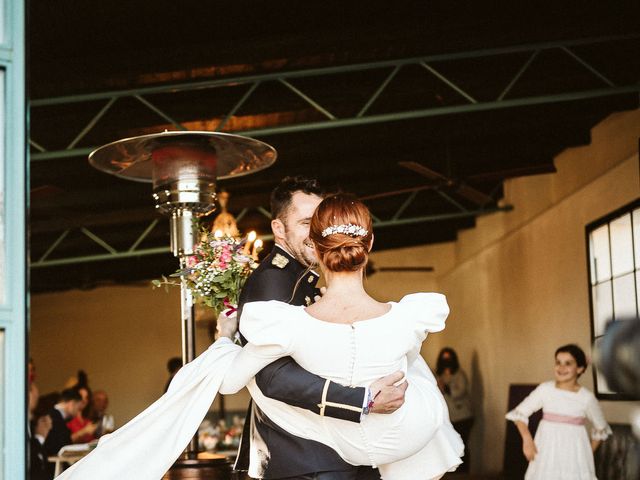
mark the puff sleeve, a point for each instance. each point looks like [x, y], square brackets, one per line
[600, 429]
[267, 328]
[427, 311]
[532, 403]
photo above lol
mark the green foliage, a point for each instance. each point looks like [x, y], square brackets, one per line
[215, 273]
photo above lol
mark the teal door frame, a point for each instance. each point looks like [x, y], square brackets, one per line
[14, 298]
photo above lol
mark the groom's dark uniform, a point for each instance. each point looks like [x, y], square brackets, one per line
[281, 277]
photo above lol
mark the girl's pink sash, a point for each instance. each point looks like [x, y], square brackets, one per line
[558, 418]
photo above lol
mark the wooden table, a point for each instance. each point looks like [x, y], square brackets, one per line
[209, 466]
[220, 461]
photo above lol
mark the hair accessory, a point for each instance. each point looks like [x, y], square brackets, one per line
[349, 229]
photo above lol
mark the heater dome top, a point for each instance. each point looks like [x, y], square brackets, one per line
[222, 155]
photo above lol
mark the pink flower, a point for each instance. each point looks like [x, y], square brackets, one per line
[192, 261]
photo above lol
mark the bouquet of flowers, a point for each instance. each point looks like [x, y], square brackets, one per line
[216, 272]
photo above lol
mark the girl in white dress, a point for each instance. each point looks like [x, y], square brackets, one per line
[561, 448]
[347, 337]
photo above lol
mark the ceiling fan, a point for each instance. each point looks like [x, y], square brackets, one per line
[457, 186]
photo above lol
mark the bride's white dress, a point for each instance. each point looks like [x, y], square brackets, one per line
[415, 442]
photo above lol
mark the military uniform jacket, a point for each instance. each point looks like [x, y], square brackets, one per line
[281, 277]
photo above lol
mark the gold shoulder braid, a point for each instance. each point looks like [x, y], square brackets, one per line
[295, 287]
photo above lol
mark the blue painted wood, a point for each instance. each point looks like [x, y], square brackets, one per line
[13, 311]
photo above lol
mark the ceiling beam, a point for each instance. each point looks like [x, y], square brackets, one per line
[181, 87]
[134, 252]
[331, 121]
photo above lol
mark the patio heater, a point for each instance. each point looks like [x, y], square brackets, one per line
[183, 167]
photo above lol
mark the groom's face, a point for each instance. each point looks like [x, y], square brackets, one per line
[294, 227]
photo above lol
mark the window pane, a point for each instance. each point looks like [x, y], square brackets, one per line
[601, 383]
[621, 245]
[624, 296]
[600, 261]
[602, 307]
[638, 291]
[636, 235]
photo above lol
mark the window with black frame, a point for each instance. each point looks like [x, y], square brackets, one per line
[613, 245]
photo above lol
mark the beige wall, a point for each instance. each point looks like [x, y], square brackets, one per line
[122, 336]
[516, 284]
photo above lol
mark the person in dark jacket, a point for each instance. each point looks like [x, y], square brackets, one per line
[67, 407]
[39, 428]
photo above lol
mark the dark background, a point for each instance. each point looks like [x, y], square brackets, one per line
[80, 47]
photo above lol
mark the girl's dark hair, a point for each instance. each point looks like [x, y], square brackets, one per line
[281, 195]
[443, 363]
[341, 252]
[576, 352]
[83, 383]
[83, 380]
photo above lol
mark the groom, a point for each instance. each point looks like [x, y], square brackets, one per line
[285, 275]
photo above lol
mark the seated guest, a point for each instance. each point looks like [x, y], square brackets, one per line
[46, 402]
[39, 428]
[81, 427]
[63, 411]
[98, 413]
[38, 465]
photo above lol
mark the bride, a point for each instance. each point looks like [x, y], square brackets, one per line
[346, 337]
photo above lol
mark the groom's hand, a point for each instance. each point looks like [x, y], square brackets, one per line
[388, 397]
[227, 326]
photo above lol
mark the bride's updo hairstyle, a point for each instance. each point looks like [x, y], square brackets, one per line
[341, 231]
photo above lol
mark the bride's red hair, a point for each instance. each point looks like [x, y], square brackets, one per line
[340, 252]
